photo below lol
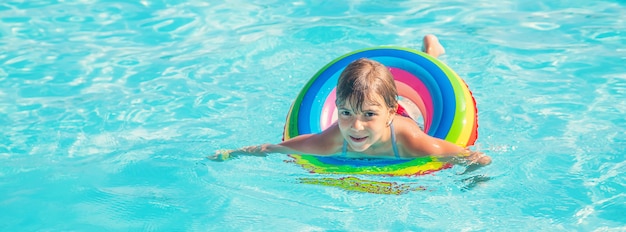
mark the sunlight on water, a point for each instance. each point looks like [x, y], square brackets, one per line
[109, 108]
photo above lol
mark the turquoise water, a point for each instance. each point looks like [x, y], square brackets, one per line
[108, 108]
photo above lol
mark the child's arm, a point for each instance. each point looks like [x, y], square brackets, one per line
[315, 144]
[419, 143]
[451, 152]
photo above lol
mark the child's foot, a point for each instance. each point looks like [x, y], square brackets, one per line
[432, 46]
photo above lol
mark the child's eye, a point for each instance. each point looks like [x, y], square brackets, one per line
[345, 113]
[370, 114]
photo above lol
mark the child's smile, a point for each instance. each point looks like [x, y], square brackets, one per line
[358, 139]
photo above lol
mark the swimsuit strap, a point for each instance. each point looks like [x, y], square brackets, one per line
[344, 149]
[393, 142]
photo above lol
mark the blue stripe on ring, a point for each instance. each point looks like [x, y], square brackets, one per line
[435, 79]
[334, 160]
[307, 116]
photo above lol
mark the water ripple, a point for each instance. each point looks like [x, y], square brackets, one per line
[106, 105]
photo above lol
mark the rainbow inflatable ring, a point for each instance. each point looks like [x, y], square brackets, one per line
[442, 97]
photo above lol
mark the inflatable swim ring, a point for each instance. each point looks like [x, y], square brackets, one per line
[441, 96]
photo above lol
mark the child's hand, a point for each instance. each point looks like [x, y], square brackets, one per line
[223, 155]
[476, 157]
[220, 155]
[475, 160]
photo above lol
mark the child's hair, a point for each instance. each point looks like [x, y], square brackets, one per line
[366, 80]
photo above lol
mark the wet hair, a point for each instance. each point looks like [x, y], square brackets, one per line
[366, 80]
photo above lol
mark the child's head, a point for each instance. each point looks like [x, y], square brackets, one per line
[366, 81]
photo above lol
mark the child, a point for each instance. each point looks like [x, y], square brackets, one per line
[367, 125]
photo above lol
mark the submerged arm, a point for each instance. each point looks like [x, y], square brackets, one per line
[419, 143]
[451, 152]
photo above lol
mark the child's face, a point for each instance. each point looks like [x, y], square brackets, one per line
[366, 128]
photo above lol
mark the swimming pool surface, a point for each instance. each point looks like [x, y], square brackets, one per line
[108, 108]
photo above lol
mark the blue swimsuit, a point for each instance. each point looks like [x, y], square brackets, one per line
[344, 150]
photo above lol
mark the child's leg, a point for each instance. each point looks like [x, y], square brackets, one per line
[432, 46]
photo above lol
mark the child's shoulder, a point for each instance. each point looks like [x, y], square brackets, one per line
[406, 127]
[401, 121]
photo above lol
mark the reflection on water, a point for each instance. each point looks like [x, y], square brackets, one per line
[108, 109]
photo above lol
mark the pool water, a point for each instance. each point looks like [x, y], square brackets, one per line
[108, 108]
